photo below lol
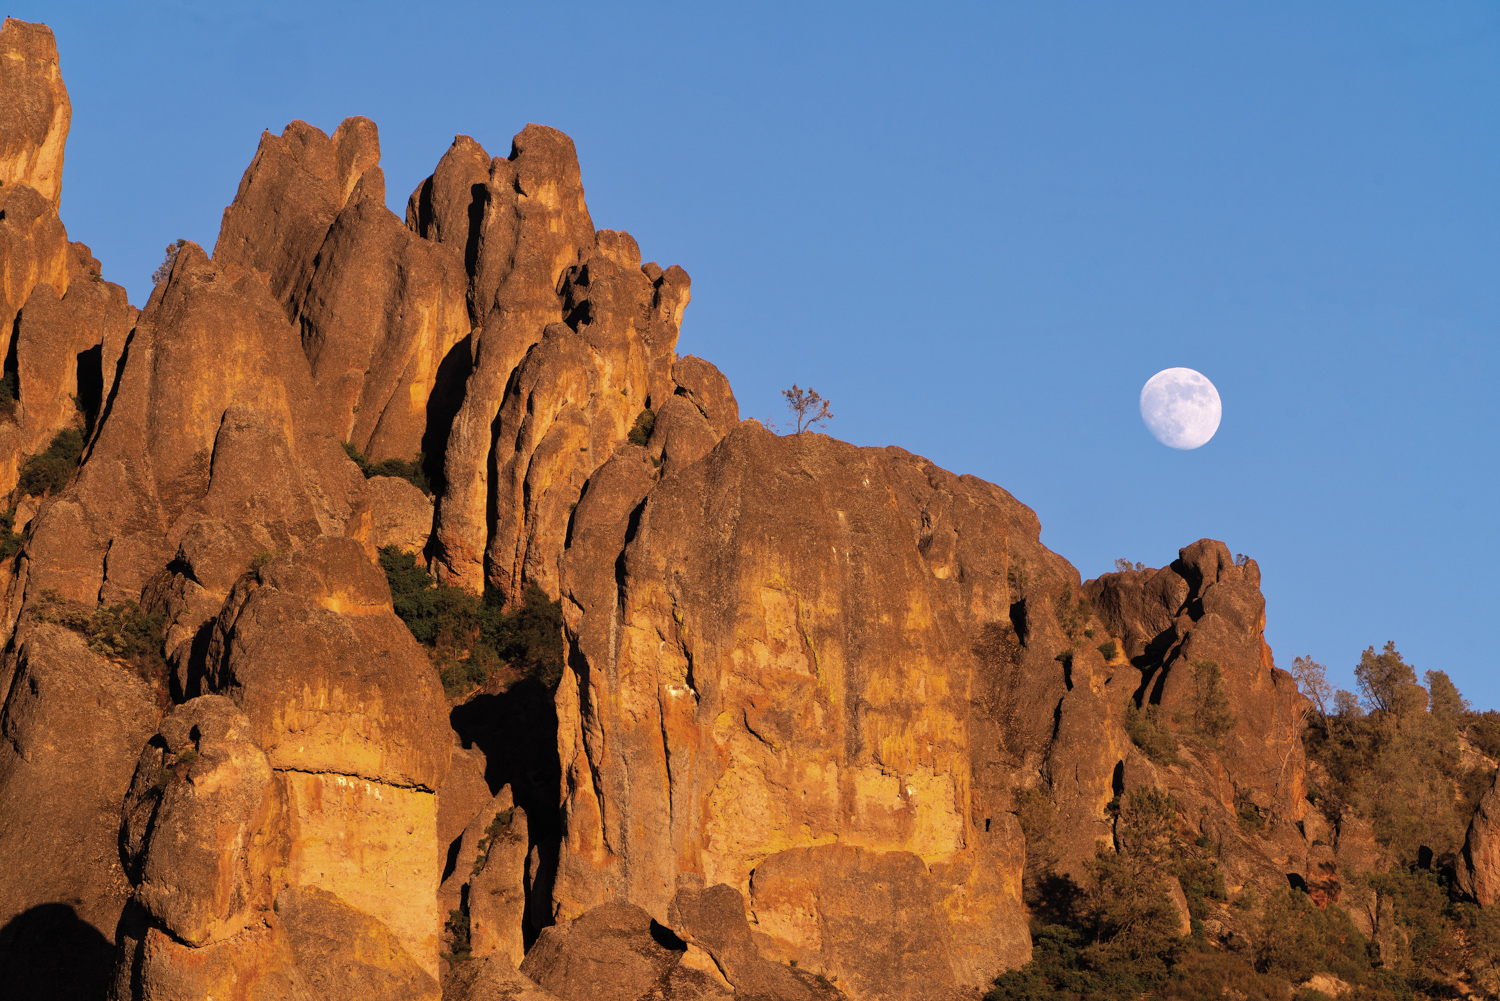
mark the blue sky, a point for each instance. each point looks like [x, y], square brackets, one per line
[977, 229]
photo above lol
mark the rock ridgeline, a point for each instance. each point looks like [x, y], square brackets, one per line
[806, 685]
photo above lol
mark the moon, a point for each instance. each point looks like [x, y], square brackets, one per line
[1181, 408]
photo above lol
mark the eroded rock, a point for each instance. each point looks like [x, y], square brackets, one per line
[73, 725]
[1479, 866]
[36, 112]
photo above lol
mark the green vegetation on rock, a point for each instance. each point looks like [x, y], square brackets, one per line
[10, 540]
[412, 471]
[640, 431]
[470, 637]
[123, 632]
[1149, 731]
[50, 471]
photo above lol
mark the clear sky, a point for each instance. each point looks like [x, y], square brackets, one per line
[978, 229]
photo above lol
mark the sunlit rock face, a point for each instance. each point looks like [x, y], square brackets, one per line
[774, 685]
[35, 118]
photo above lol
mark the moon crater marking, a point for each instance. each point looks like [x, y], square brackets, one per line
[1181, 408]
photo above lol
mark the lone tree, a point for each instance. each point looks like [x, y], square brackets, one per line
[1312, 679]
[808, 407]
[165, 267]
[1381, 675]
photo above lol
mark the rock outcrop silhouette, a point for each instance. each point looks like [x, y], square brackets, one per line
[808, 688]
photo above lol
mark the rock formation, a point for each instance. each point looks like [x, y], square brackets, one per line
[1479, 873]
[807, 685]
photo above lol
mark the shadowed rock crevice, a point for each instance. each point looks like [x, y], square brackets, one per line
[49, 952]
[516, 731]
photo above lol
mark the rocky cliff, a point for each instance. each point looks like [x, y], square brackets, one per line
[809, 691]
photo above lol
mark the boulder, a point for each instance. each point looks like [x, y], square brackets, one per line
[391, 512]
[450, 208]
[331, 680]
[463, 795]
[33, 248]
[608, 954]
[213, 415]
[714, 925]
[706, 389]
[73, 725]
[351, 715]
[202, 820]
[491, 979]
[1479, 866]
[67, 347]
[344, 954]
[870, 922]
[497, 890]
[1207, 607]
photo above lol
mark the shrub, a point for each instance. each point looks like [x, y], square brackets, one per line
[50, 471]
[457, 927]
[165, 267]
[1484, 731]
[469, 636]
[10, 541]
[1402, 771]
[1126, 942]
[807, 407]
[401, 469]
[1201, 881]
[1149, 731]
[1072, 615]
[1107, 648]
[1422, 906]
[412, 472]
[645, 423]
[125, 632]
[10, 391]
[1250, 817]
[122, 632]
[1211, 716]
[1299, 939]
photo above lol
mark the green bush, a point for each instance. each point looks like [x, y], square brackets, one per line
[1403, 771]
[1201, 882]
[1299, 939]
[469, 636]
[10, 391]
[460, 947]
[1149, 731]
[412, 472]
[1107, 649]
[123, 632]
[640, 432]
[50, 471]
[10, 542]
[1124, 943]
[1424, 906]
[1211, 716]
[1072, 615]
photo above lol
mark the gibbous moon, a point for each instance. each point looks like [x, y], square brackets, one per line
[1181, 407]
